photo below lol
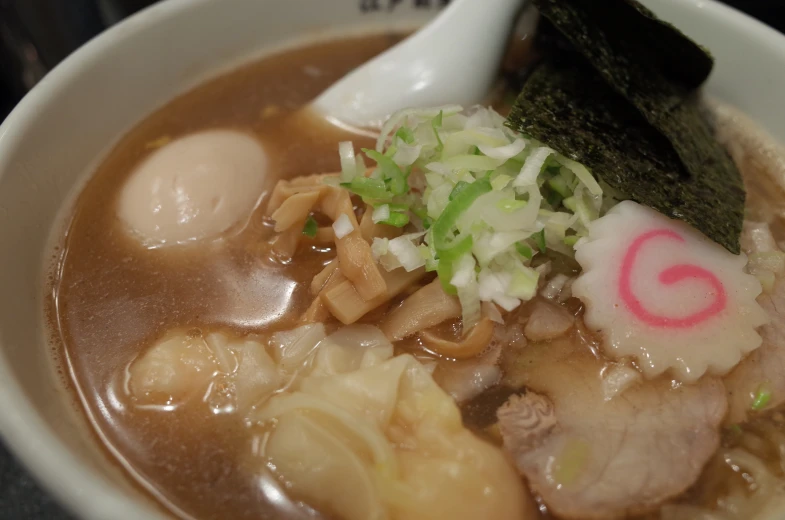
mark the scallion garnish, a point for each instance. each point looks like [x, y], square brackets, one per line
[478, 202]
[762, 397]
[392, 175]
[449, 247]
[524, 250]
[405, 134]
[310, 228]
[369, 189]
[539, 240]
[436, 124]
[459, 187]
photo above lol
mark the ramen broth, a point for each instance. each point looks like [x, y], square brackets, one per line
[113, 298]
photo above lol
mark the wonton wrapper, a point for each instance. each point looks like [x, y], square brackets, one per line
[382, 440]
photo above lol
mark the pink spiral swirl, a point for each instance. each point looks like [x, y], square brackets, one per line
[669, 276]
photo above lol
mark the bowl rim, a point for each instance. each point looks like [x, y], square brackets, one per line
[27, 435]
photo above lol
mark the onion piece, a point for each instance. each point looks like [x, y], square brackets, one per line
[382, 212]
[582, 173]
[348, 161]
[407, 154]
[490, 311]
[404, 250]
[503, 153]
[342, 226]
[554, 287]
[421, 113]
[464, 271]
[532, 167]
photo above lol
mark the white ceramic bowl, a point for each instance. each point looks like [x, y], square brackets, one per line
[59, 132]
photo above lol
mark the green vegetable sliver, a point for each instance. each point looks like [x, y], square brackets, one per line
[436, 124]
[444, 270]
[369, 189]
[405, 134]
[446, 246]
[524, 250]
[539, 239]
[762, 397]
[393, 176]
[310, 228]
[396, 219]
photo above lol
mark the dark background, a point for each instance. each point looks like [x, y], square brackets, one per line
[34, 36]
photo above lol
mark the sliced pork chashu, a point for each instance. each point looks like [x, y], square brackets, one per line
[589, 457]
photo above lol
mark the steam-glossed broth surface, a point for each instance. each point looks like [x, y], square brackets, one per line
[114, 296]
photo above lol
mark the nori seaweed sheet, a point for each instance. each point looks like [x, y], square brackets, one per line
[568, 106]
[622, 73]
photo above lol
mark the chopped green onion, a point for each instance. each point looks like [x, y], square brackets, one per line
[569, 178]
[392, 175]
[448, 247]
[485, 188]
[570, 203]
[524, 250]
[762, 397]
[419, 209]
[391, 214]
[369, 189]
[582, 173]
[524, 283]
[475, 163]
[500, 182]
[310, 228]
[736, 429]
[396, 219]
[405, 134]
[459, 187]
[421, 212]
[444, 270]
[539, 240]
[510, 205]
[559, 185]
[436, 124]
[348, 161]
[390, 151]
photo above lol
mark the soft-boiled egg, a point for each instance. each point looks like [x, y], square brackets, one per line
[193, 188]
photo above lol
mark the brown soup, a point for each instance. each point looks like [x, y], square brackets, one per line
[113, 298]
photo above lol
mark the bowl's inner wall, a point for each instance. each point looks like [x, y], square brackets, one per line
[65, 126]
